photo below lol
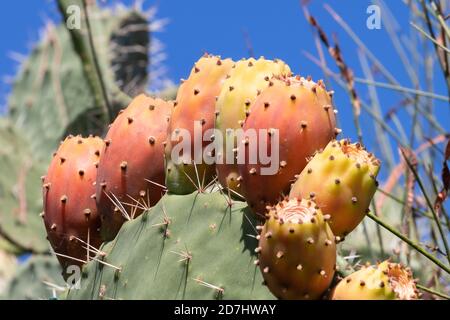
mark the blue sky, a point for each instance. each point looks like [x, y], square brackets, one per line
[276, 29]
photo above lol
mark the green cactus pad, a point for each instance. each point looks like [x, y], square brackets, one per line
[186, 247]
[40, 105]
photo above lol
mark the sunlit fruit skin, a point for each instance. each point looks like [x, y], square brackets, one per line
[247, 79]
[342, 181]
[70, 213]
[195, 102]
[297, 250]
[131, 172]
[385, 281]
[301, 111]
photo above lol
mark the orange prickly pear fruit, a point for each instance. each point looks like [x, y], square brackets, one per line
[194, 115]
[70, 213]
[247, 79]
[131, 172]
[295, 115]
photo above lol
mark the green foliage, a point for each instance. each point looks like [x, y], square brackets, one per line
[180, 249]
[35, 280]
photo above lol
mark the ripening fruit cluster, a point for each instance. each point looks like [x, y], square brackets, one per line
[320, 191]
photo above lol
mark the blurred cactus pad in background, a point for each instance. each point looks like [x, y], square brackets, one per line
[90, 191]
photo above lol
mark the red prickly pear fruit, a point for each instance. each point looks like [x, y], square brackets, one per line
[247, 79]
[297, 251]
[385, 281]
[293, 114]
[131, 172]
[342, 181]
[70, 213]
[194, 116]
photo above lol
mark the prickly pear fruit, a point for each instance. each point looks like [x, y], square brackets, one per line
[342, 181]
[194, 116]
[298, 119]
[297, 250]
[246, 80]
[131, 172]
[70, 214]
[386, 281]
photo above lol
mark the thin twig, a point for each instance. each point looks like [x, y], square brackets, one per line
[430, 205]
[436, 293]
[410, 242]
[429, 37]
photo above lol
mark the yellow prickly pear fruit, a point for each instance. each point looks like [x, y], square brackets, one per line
[341, 179]
[297, 250]
[386, 281]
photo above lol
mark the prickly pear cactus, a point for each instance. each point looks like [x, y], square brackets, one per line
[385, 281]
[21, 227]
[297, 250]
[342, 180]
[37, 279]
[196, 246]
[246, 81]
[295, 112]
[194, 114]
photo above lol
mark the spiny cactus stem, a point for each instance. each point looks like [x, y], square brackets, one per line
[106, 105]
[409, 242]
[436, 293]
[430, 205]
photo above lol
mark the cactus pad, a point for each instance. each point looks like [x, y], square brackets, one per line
[193, 246]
